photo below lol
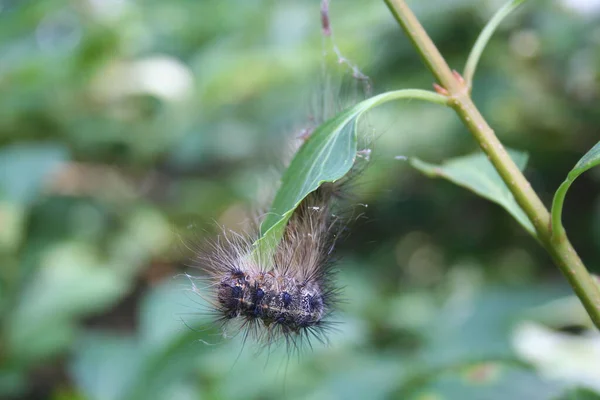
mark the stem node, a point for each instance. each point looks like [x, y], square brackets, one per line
[441, 90]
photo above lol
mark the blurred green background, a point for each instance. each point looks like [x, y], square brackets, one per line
[129, 128]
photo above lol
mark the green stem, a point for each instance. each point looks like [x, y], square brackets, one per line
[589, 160]
[460, 100]
[484, 38]
[428, 51]
[558, 231]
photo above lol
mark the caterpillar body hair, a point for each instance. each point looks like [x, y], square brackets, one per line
[288, 295]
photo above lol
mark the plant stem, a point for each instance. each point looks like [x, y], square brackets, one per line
[484, 38]
[558, 231]
[460, 100]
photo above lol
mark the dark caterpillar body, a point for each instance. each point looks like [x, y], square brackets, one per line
[288, 295]
[291, 304]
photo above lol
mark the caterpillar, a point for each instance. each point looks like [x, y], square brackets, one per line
[288, 295]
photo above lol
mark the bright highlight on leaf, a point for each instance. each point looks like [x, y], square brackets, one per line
[327, 156]
[477, 174]
[588, 161]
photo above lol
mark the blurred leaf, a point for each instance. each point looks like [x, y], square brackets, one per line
[252, 66]
[588, 161]
[12, 382]
[489, 381]
[149, 365]
[477, 323]
[579, 394]
[12, 216]
[105, 365]
[366, 379]
[476, 173]
[568, 357]
[23, 168]
[71, 282]
[326, 156]
[64, 393]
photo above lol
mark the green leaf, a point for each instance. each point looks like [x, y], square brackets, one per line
[13, 381]
[492, 380]
[104, 365]
[579, 394]
[326, 156]
[155, 362]
[476, 173]
[72, 280]
[484, 38]
[23, 168]
[588, 161]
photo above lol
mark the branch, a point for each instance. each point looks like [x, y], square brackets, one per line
[460, 100]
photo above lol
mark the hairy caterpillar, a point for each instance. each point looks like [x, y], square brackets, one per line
[287, 295]
[291, 293]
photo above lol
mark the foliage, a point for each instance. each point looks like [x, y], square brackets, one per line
[476, 173]
[128, 127]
